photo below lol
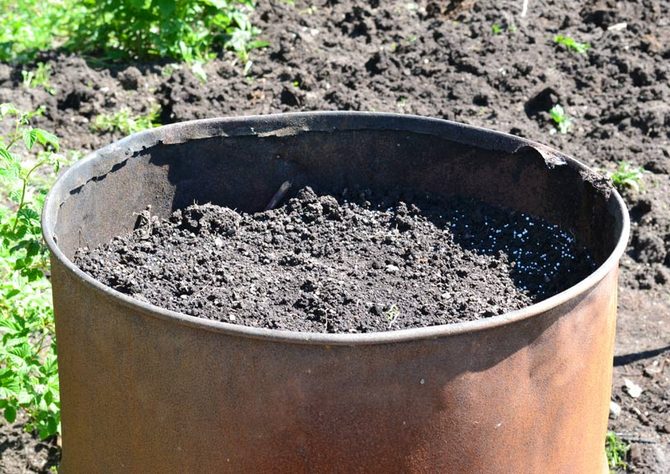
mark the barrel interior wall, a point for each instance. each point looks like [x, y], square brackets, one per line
[244, 172]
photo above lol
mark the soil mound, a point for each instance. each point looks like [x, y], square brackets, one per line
[348, 264]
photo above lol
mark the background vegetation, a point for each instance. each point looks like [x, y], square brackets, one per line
[28, 370]
[185, 30]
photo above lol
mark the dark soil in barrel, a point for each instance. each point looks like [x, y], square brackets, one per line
[358, 263]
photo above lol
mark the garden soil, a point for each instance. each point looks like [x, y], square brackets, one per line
[360, 263]
[22, 452]
[429, 59]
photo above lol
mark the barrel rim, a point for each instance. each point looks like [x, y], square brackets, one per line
[305, 122]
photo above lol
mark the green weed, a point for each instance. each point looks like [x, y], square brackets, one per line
[39, 77]
[627, 176]
[571, 44]
[28, 369]
[498, 29]
[124, 122]
[561, 118]
[392, 314]
[616, 451]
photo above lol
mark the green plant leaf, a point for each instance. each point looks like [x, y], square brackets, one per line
[46, 138]
[11, 173]
[12, 293]
[561, 119]
[28, 213]
[6, 155]
[33, 248]
[29, 138]
[198, 71]
[571, 44]
[220, 4]
[24, 398]
[10, 414]
[33, 274]
[48, 397]
[257, 44]
[7, 109]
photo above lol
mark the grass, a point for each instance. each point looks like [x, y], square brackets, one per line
[560, 118]
[571, 44]
[627, 176]
[616, 451]
[124, 122]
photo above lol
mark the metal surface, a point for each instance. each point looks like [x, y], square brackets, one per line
[144, 389]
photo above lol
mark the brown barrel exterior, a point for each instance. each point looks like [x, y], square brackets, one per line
[149, 390]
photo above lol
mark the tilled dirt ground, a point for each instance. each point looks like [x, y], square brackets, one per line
[421, 58]
[22, 452]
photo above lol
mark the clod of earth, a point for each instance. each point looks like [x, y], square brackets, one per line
[357, 263]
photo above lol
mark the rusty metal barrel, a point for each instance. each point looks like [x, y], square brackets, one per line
[145, 389]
